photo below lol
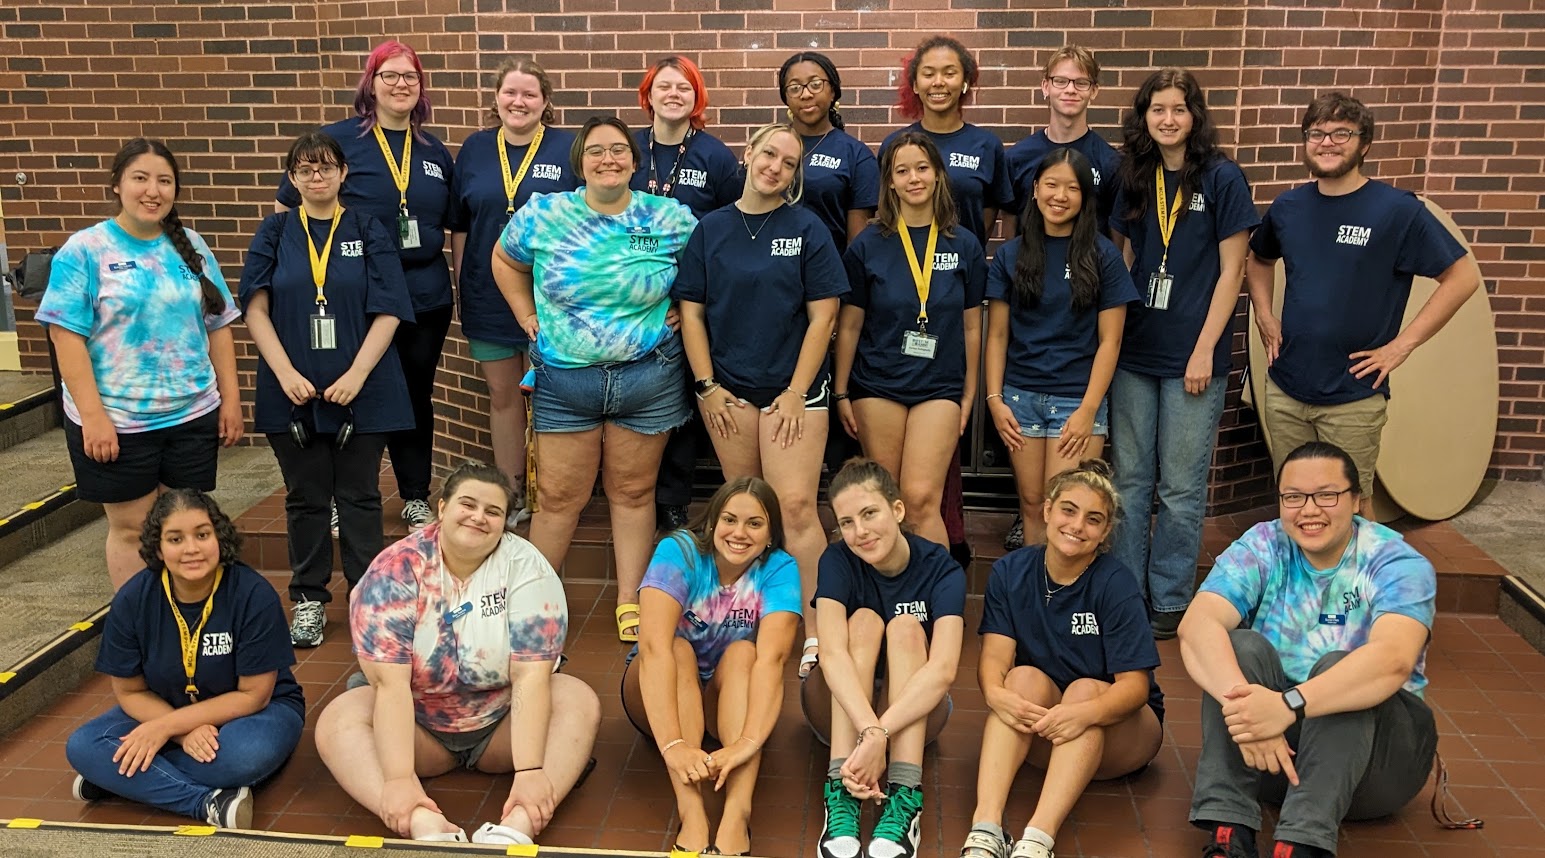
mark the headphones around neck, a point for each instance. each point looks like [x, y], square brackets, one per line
[301, 434]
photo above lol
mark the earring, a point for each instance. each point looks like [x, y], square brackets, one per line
[965, 88]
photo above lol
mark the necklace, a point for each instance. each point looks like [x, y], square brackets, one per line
[1046, 584]
[817, 145]
[766, 219]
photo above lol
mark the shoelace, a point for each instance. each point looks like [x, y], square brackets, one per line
[307, 619]
[841, 811]
[903, 804]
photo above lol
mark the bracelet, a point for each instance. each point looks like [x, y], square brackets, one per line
[531, 769]
[795, 392]
[703, 397]
[992, 396]
[839, 397]
[884, 732]
[754, 743]
[671, 744]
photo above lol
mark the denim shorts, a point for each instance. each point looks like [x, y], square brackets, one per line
[1042, 415]
[647, 395]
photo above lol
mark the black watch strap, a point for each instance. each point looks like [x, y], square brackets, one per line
[1295, 701]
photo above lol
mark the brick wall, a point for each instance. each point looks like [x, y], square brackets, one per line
[1457, 85]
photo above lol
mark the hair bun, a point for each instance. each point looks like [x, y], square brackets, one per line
[1097, 466]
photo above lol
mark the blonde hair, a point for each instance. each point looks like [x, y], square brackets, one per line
[1080, 55]
[796, 188]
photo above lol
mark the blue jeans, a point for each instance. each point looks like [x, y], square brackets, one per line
[251, 749]
[1162, 439]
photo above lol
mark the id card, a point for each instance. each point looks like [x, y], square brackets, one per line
[919, 345]
[324, 332]
[407, 230]
[1158, 291]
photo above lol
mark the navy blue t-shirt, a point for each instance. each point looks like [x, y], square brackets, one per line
[1051, 348]
[841, 175]
[709, 175]
[1160, 342]
[1349, 262]
[246, 635]
[883, 287]
[1025, 156]
[363, 279]
[978, 171]
[1094, 628]
[932, 586]
[754, 291]
[370, 189]
[478, 191]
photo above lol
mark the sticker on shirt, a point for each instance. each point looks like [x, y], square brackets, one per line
[1084, 623]
[917, 609]
[968, 162]
[825, 161]
[432, 170]
[1357, 236]
[788, 246]
[122, 266]
[693, 178]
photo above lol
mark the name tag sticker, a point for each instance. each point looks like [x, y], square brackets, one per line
[1333, 619]
[122, 266]
[453, 616]
[695, 620]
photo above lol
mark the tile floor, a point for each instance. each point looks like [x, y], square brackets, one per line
[1488, 687]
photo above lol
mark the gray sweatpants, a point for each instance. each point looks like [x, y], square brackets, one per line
[1351, 765]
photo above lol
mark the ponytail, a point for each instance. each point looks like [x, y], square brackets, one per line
[214, 302]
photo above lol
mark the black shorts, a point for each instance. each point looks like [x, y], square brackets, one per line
[184, 456]
[817, 398]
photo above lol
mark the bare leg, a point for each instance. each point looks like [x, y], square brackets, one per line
[866, 631]
[690, 808]
[1004, 748]
[507, 417]
[566, 463]
[571, 732]
[933, 434]
[732, 681]
[795, 474]
[630, 464]
[906, 651]
[124, 522]
[1029, 464]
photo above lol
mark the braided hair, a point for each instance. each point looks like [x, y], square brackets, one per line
[833, 79]
[214, 302]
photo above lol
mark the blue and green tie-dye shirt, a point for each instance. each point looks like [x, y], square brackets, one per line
[714, 616]
[1307, 613]
[602, 282]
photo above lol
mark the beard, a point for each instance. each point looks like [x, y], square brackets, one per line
[1347, 165]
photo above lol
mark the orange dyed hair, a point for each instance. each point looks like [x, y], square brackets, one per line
[689, 71]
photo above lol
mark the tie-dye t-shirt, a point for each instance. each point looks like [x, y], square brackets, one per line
[460, 640]
[602, 282]
[141, 311]
[714, 616]
[1307, 613]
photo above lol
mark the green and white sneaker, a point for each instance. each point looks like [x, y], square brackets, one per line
[839, 839]
[898, 832]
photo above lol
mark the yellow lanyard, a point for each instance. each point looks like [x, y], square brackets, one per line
[1166, 219]
[512, 184]
[190, 642]
[921, 277]
[319, 262]
[399, 173]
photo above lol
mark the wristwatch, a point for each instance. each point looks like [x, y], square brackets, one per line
[1295, 701]
[703, 385]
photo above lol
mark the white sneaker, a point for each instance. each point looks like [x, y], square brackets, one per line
[307, 623]
[417, 513]
[515, 517]
[1027, 848]
[502, 834]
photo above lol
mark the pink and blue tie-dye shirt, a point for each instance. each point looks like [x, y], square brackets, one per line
[140, 308]
[459, 638]
[714, 616]
[1306, 613]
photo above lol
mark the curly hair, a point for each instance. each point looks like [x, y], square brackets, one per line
[177, 500]
[1140, 155]
[908, 103]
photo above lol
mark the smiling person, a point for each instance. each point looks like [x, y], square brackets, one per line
[759, 289]
[1188, 253]
[842, 178]
[139, 318]
[401, 175]
[1309, 641]
[497, 170]
[720, 611]
[459, 628]
[890, 605]
[1057, 298]
[205, 704]
[1066, 667]
[324, 294]
[588, 274]
[909, 338]
[1350, 246]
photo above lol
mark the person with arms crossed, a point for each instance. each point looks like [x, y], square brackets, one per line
[1309, 641]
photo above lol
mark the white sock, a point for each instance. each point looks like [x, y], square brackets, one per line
[1036, 835]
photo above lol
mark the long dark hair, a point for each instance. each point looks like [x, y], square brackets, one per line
[887, 217]
[214, 302]
[700, 529]
[833, 80]
[1141, 155]
[177, 500]
[1083, 246]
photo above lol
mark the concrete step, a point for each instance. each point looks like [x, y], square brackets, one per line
[29, 407]
[37, 497]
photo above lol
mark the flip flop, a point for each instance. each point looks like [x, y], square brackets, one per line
[627, 630]
[808, 660]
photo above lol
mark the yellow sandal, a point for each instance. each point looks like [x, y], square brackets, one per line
[627, 630]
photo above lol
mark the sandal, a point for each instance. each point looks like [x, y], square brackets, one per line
[714, 850]
[808, 660]
[627, 630]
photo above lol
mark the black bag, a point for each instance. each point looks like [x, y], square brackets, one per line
[31, 275]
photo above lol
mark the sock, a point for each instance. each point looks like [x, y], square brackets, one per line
[1288, 849]
[834, 769]
[905, 774]
[1226, 833]
[1036, 835]
[992, 828]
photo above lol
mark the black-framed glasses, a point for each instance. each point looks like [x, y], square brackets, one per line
[325, 171]
[392, 78]
[1082, 84]
[1323, 500]
[1339, 136]
[814, 87]
[617, 150]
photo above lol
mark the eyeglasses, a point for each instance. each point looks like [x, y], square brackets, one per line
[1339, 136]
[1082, 84]
[392, 78]
[306, 174]
[1323, 500]
[617, 150]
[814, 87]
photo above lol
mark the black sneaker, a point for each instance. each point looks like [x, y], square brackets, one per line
[85, 790]
[669, 516]
[1231, 841]
[839, 838]
[229, 808]
[306, 624]
[1165, 624]
[1015, 538]
[1283, 849]
[898, 831]
[417, 514]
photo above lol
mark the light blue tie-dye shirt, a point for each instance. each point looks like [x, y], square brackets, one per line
[602, 282]
[714, 616]
[1306, 613]
[140, 308]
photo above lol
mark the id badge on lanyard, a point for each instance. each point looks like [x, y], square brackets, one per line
[919, 344]
[1159, 284]
[324, 329]
[407, 231]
